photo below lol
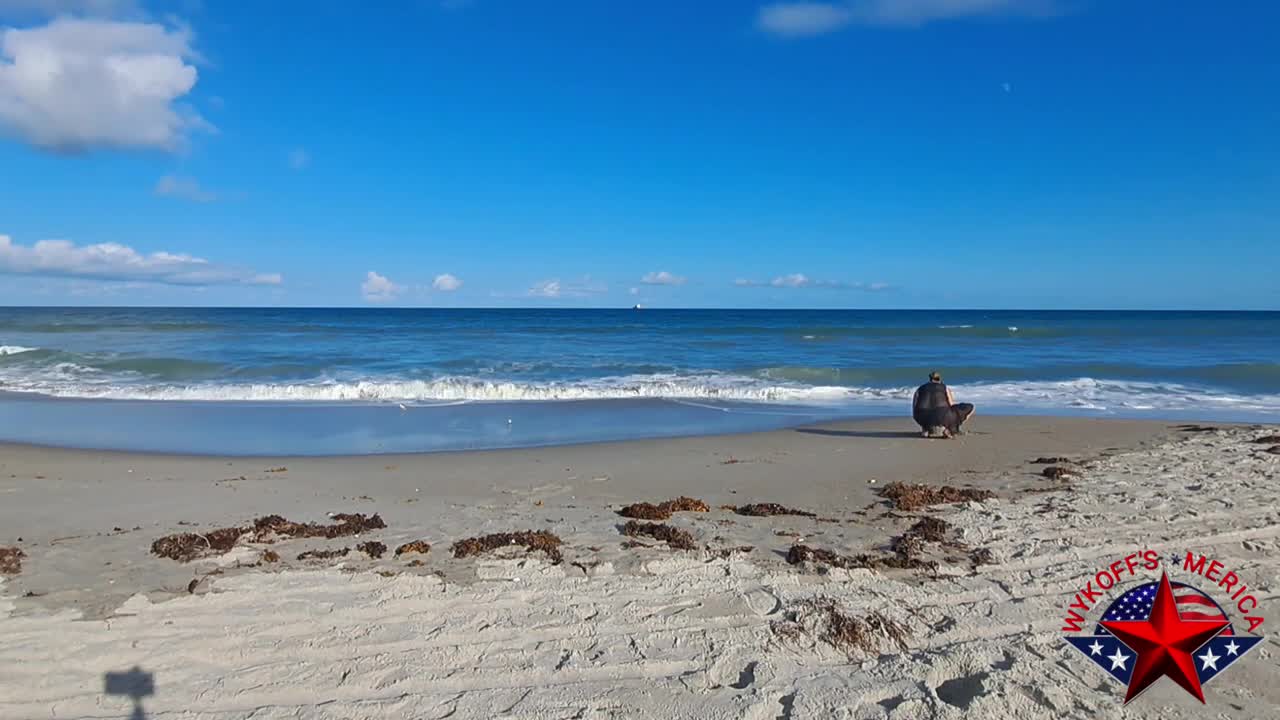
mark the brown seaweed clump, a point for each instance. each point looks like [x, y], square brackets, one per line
[664, 510]
[931, 529]
[324, 554]
[373, 549]
[345, 524]
[417, 546]
[271, 556]
[982, 556]
[1057, 472]
[11, 560]
[770, 509]
[185, 547]
[912, 496]
[800, 554]
[1052, 461]
[531, 540]
[674, 537]
[1266, 440]
[823, 619]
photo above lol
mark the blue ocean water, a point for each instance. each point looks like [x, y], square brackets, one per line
[770, 363]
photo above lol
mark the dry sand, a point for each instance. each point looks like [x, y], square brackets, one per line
[612, 631]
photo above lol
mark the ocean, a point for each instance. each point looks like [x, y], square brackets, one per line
[464, 377]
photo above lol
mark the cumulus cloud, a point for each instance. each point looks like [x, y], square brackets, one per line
[78, 84]
[378, 288]
[299, 159]
[662, 278]
[115, 262]
[557, 289]
[800, 280]
[51, 8]
[186, 188]
[446, 283]
[796, 19]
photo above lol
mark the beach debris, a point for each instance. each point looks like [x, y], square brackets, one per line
[982, 556]
[415, 563]
[11, 560]
[372, 548]
[728, 552]
[931, 529]
[185, 547]
[1266, 439]
[1274, 450]
[324, 554]
[271, 556]
[913, 496]
[730, 461]
[531, 540]
[277, 469]
[675, 538]
[823, 619]
[417, 546]
[345, 524]
[800, 554]
[1057, 472]
[770, 509]
[1195, 428]
[1052, 461]
[664, 510]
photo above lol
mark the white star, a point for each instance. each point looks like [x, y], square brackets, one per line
[1233, 648]
[1095, 648]
[1210, 660]
[1118, 660]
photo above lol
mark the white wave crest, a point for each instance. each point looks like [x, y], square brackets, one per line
[15, 349]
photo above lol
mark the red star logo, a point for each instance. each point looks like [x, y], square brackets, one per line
[1164, 643]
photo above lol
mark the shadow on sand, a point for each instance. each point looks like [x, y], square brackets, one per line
[860, 433]
[134, 684]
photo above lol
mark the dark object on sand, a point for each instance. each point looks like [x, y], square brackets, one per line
[800, 554]
[1055, 472]
[271, 556]
[11, 560]
[912, 496]
[931, 529]
[417, 546]
[1196, 428]
[531, 540]
[1274, 450]
[324, 554]
[839, 630]
[185, 547]
[982, 556]
[345, 524]
[373, 549]
[673, 537]
[770, 509]
[1052, 461]
[663, 511]
[1265, 439]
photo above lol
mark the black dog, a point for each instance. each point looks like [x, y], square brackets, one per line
[948, 419]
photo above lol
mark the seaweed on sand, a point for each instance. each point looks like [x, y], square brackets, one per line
[531, 540]
[417, 546]
[673, 537]
[185, 547]
[770, 509]
[663, 510]
[912, 496]
[1057, 472]
[372, 548]
[824, 619]
[11, 560]
[324, 554]
[345, 524]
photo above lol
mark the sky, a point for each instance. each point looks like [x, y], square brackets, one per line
[858, 153]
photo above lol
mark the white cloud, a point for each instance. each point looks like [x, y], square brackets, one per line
[77, 84]
[800, 280]
[557, 289]
[662, 278]
[446, 283]
[377, 288]
[795, 19]
[52, 8]
[187, 188]
[546, 289]
[633, 291]
[115, 262]
[299, 159]
[798, 19]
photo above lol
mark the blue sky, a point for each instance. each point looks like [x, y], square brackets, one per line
[870, 153]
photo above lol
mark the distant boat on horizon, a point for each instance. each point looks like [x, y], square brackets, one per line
[636, 306]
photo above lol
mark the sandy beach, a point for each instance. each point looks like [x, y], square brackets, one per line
[964, 621]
